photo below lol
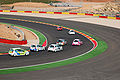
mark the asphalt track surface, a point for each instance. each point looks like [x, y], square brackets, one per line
[103, 67]
[44, 57]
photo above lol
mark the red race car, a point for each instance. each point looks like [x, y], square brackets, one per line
[59, 28]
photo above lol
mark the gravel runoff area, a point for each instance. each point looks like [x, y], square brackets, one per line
[78, 18]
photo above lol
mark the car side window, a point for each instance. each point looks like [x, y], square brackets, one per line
[33, 46]
[57, 45]
[39, 46]
[11, 50]
[51, 46]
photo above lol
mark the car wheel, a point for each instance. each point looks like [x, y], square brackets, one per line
[14, 55]
[44, 49]
[38, 50]
[55, 51]
[26, 54]
[61, 49]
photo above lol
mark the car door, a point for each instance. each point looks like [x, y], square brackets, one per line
[57, 47]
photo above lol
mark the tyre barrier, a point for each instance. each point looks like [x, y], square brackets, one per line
[98, 15]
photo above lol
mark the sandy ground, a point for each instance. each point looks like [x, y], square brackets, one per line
[35, 7]
[47, 7]
[28, 4]
[31, 37]
[87, 7]
[9, 33]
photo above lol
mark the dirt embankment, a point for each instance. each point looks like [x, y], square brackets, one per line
[28, 34]
[8, 33]
[88, 6]
[28, 4]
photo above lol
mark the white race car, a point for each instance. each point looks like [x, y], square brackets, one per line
[71, 32]
[77, 42]
[18, 52]
[61, 42]
[55, 47]
[36, 48]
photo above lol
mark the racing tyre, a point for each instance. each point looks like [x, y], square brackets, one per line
[26, 54]
[55, 51]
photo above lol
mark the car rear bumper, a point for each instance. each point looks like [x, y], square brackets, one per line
[76, 44]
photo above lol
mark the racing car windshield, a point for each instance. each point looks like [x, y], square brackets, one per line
[59, 27]
[33, 46]
[59, 40]
[39, 46]
[51, 46]
[71, 31]
[76, 41]
[19, 50]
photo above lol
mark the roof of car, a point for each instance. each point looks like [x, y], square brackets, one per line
[39, 45]
[15, 48]
[61, 39]
[33, 44]
[53, 44]
[76, 39]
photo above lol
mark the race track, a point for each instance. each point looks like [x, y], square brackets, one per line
[44, 57]
[103, 67]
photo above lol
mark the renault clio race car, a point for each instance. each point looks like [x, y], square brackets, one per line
[59, 28]
[77, 42]
[17, 52]
[55, 47]
[36, 48]
[71, 32]
[61, 42]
